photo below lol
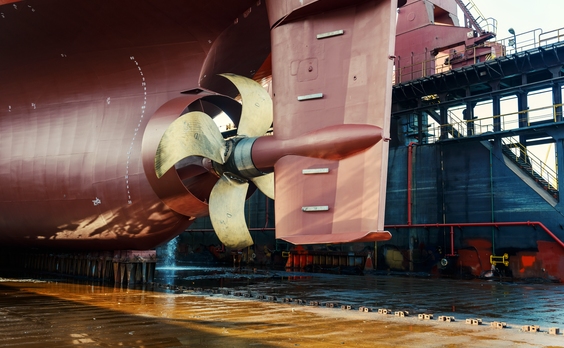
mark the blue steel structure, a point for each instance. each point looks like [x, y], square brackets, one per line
[475, 170]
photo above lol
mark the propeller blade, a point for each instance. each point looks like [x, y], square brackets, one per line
[265, 184]
[256, 115]
[192, 134]
[227, 212]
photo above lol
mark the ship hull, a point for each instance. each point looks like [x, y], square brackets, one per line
[80, 82]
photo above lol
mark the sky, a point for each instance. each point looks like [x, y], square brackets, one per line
[522, 15]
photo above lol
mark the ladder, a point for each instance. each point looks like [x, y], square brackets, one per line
[475, 19]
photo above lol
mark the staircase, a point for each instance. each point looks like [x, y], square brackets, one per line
[456, 127]
[531, 166]
[476, 19]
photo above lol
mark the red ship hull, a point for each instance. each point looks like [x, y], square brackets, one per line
[80, 81]
[88, 90]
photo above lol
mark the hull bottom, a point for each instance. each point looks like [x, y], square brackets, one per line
[119, 267]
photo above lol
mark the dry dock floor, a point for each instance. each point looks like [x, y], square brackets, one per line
[61, 314]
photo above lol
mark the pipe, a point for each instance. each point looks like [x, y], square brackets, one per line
[409, 179]
[492, 200]
[484, 224]
[451, 242]
[265, 213]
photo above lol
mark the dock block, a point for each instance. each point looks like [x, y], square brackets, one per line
[498, 325]
[425, 316]
[530, 328]
[446, 318]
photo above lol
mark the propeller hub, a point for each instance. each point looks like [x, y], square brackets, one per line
[239, 160]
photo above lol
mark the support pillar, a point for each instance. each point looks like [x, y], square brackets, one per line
[496, 106]
[468, 115]
[130, 269]
[523, 107]
[122, 272]
[117, 275]
[144, 272]
[443, 114]
[557, 94]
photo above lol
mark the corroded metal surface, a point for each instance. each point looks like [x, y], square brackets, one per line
[64, 315]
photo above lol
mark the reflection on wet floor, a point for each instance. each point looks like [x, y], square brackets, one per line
[48, 312]
[518, 303]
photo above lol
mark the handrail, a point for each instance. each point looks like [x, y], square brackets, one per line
[484, 125]
[552, 36]
[507, 122]
[522, 41]
[424, 64]
[537, 165]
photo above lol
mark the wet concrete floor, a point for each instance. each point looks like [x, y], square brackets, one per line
[516, 302]
[59, 313]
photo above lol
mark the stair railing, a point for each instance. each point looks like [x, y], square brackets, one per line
[535, 166]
